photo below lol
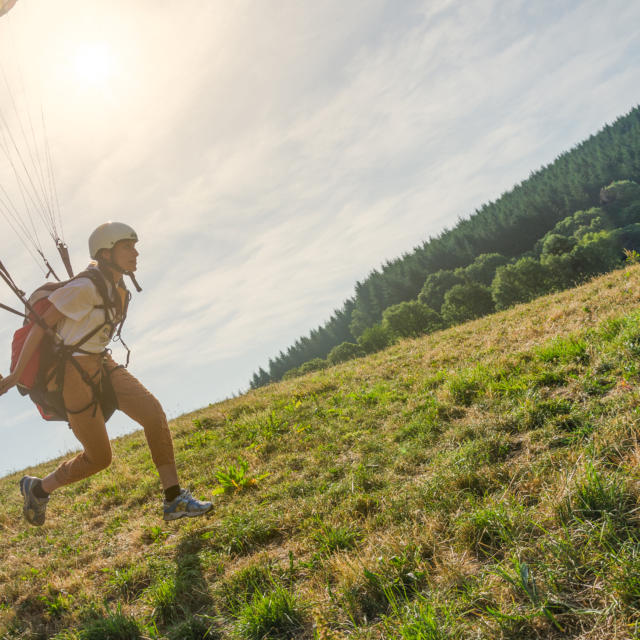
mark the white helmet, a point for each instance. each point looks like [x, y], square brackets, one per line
[107, 234]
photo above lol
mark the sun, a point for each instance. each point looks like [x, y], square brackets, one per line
[94, 64]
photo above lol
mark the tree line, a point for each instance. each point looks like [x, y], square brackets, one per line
[568, 221]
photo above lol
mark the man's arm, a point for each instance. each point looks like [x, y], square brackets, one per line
[51, 317]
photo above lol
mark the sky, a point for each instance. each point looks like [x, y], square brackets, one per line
[270, 154]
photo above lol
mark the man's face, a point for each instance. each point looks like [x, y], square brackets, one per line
[125, 254]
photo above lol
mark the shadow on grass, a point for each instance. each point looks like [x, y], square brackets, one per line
[190, 608]
[191, 586]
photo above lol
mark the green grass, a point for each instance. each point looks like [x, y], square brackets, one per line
[481, 482]
[127, 583]
[418, 621]
[274, 614]
[238, 590]
[109, 626]
[330, 538]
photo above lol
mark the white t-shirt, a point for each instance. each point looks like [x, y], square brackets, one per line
[77, 301]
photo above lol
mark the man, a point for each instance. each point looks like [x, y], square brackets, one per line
[85, 324]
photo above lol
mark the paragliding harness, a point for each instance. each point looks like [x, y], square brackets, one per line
[43, 377]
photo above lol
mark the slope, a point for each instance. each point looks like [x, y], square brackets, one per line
[478, 482]
[510, 226]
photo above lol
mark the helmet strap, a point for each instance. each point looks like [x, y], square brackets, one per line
[102, 263]
[133, 279]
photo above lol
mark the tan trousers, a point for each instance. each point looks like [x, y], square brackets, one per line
[133, 399]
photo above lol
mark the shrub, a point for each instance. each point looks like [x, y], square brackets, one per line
[593, 219]
[359, 322]
[620, 194]
[466, 302]
[520, 282]
[411, 319]
[292, 373]
[628, 237]
[343, 352]
[557, 244]
[596, 253]
[483, 268]
[561, 273]
[375, 339]
[630, 215]
[316, 364]
[436, 285]
[596, 225]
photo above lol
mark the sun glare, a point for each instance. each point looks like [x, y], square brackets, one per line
[94, 64]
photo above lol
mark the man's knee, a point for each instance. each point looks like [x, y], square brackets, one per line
[154, 408]
[145, 409]
[100, 460]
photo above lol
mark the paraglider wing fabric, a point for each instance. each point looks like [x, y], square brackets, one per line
[6, 5]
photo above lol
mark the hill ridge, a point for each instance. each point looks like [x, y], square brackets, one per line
[511, 226]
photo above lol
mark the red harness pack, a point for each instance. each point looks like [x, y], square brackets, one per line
[47, 363]
[28, 377]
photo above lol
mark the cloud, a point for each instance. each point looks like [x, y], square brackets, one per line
[368, 170]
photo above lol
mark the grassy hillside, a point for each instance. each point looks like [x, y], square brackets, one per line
[481, 482]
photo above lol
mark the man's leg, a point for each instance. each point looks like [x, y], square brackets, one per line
[87, 424]
[143, 407]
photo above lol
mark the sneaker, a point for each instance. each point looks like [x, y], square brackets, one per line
[34, 508]
[185, 505]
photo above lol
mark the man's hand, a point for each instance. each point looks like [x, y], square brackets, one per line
[7, 383]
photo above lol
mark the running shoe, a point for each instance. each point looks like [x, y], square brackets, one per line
[185, 505]
[34, 508]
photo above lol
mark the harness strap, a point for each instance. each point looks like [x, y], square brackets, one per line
[117, 305]
[95, 390]
[106, 263]
[118, 334]
[11, 310]
[65, 352]
[76, 347]
[126, 348]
